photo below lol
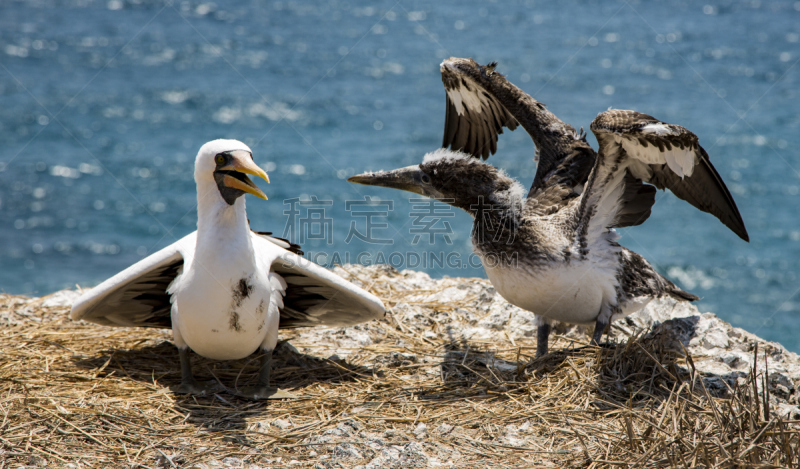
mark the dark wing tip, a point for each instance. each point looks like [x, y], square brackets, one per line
[704, 189]
[726, 210]
[293, 247]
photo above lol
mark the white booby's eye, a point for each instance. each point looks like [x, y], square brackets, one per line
[426, 179]
[220, 159]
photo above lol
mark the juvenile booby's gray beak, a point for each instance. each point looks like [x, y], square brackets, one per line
[240, 165]
[406, 179]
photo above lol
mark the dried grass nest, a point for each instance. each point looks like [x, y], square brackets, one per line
[80, 395]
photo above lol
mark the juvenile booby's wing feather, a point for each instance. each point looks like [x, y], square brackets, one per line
[636, 148]
[481, 101]
[137, 296]
[473, 117]
[705, 190]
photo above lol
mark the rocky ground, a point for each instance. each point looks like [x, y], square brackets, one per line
[446, 379]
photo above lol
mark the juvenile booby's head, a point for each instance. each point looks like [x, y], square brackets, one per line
[452, 177]
[226, 163]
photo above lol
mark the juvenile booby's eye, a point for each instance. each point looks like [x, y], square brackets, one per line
[220, 159]
[426, 179]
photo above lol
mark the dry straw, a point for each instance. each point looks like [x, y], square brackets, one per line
[80, 395]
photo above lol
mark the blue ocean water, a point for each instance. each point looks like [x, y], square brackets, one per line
[105, 104]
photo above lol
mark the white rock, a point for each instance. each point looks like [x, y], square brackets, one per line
[281, 424]
[232, 462]
[421, 431]
[736, 359]
[346, 451]
[444, 429]
[788, 411]
[716, 338]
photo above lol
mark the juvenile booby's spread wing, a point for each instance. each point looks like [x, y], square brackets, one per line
[474, 117]
[636, 148]
[314, 296]
[480, 101]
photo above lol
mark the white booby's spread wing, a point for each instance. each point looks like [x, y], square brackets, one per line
[315, 296]
[312, 295]
[137, 296]
[637, 148]
[474, 117]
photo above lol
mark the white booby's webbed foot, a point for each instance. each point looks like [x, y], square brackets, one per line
[262, 390]
[599, 328]
[188, 384]
[542, 337]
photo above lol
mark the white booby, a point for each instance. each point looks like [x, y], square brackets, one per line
[224, 289]
[554, 252]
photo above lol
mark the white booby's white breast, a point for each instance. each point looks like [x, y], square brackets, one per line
[221, 304]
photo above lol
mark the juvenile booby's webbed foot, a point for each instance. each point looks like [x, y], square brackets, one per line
[188, 384]
[542, 337]
[599, 328]
[262, 390]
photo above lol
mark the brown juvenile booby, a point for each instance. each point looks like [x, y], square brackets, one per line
[224, 289]
[554, 251]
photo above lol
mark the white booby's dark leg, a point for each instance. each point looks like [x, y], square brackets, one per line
[599, 328]
[188, 384]
[265, 371]
[262, 389]
[542, 337]
[187, 377]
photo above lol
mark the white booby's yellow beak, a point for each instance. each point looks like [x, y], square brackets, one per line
[240, 164]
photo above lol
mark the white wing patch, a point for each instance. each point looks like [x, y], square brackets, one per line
[463, 96]
[680, 161]
[658, 129]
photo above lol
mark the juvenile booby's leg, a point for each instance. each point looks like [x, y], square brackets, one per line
[542, 337]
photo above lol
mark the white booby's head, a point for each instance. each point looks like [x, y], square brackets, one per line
[226, 164]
